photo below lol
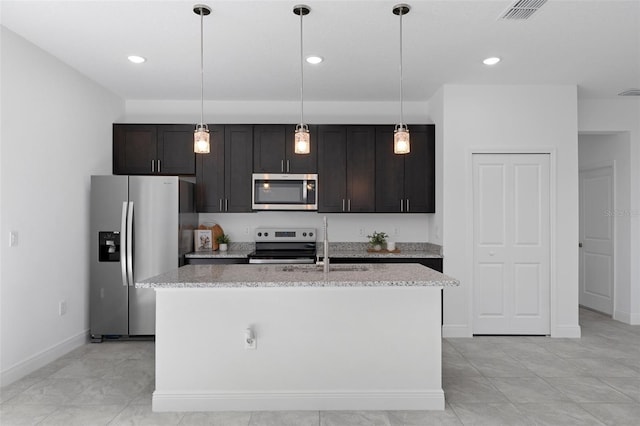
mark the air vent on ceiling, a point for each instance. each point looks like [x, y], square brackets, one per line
[522, 9]
[630, 92]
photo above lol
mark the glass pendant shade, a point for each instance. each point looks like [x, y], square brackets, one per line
[401, 143]
[303, 140]
[201, 139]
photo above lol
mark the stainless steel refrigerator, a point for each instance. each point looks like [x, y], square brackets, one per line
[141, 226]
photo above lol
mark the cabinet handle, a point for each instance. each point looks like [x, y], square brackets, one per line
[288, 169]
[158, 166]
[226, 204]
[153, 166]
[349, 205]
[401, 206]
[282, 166]
[343, 204]
[407, 205]
[220, 204]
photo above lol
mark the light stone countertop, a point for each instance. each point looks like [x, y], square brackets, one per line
[344, 250]
[239, 250]
[210, 254]
[363, 254]
[341, 275]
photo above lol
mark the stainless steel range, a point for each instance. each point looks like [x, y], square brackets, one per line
[284, 245]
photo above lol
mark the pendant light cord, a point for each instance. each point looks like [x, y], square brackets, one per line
[401, 108]
[301, 72]
[201, 68]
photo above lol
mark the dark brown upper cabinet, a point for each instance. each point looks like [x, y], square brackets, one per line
[406, 183]
[346, 168]
[273, 150]
[223, 177]
[151, 149]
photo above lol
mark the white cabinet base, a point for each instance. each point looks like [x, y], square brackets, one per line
[337, 348]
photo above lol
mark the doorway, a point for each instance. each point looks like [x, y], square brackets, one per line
[511, 222]
[597, 189]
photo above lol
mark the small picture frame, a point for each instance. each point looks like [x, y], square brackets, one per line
[202, 239]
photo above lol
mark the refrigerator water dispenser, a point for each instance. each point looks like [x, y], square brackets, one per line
[108, 246]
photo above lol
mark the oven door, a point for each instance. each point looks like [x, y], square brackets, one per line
[284, 255]
[280, 261]
[284, 192]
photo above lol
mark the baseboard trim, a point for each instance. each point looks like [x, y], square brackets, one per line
[291, 401]
[455, 331]
[626, 317]
[39, 360]
[566, 331]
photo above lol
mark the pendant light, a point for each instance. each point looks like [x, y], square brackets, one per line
[201, 134]
[302, 144]
[401, 144]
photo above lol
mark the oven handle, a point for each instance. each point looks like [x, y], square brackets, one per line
[281, 261]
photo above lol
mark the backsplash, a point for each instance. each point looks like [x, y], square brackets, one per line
[353, 227]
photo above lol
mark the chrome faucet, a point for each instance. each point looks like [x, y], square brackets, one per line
[325, 249]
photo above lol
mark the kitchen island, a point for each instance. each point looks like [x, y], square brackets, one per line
[360, 337]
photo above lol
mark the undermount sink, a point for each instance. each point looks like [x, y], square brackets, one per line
[319, 268]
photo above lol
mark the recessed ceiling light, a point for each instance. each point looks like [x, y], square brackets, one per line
[314, 59]
[491, 61]
[136, 59]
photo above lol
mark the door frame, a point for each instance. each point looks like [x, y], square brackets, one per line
[591, 167]
[553, 217]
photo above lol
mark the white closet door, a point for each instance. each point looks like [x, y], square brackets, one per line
[511, 282]
[597, 239]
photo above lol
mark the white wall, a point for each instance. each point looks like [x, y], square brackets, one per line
[342, 227]
[436, 105]
[611, 116]
[594, 150]
[510, 118]
[56, 132]
[255, 112]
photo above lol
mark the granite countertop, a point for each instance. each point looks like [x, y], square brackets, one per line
[210, 254]
[338, 249]
[343, 275]
[236, 250]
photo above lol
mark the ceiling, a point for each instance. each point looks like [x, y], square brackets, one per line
[251, 48]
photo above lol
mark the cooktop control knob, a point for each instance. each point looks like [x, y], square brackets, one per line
[311, 234]
[266, 234]
[304, 234]
[259, 234]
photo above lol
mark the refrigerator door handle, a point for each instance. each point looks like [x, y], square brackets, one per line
[123, 237]
[130, 245]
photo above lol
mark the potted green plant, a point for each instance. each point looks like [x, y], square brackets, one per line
[223, 241]
[377, 240]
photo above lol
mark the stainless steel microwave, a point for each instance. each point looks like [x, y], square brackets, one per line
[285, 191]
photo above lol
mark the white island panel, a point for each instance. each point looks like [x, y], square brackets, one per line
[318, 348]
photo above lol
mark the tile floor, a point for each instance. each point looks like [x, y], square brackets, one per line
[487, 381]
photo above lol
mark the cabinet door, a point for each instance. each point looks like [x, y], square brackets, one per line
[269, 148]
[301, 163]
[134, 149]
[389, 173]
[210, 174]
[419, 171]
[332, 168]
[238, 161]
[361, 155]
[175, 149]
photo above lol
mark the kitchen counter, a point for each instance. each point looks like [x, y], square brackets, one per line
[361, 337]
[338, 250]
[342, 275]
[236, 251]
